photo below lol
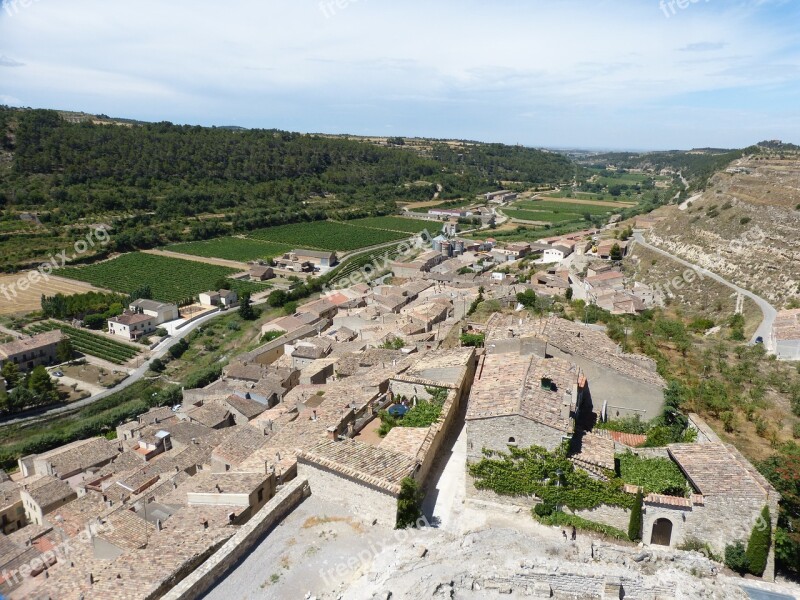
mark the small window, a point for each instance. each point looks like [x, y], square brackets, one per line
[261, 494]
[512, 441]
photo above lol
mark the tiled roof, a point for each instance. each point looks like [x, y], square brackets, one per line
[405, 440]
[674, 501]
[48, 490]
[512, 385]
[248, 407]
[210, 414]
[30, 344]
[376, 466]
[716, 470]
[240, 444]
[80, 455]
[596, 450]
[634, 440]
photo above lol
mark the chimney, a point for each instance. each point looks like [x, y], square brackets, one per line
[159, 526]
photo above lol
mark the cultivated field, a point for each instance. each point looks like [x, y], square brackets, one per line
[90, 343]
[232, 248]
[400, 224]
[541, 216]
[169, 279]
[30, 299]
[327, 235]
[564, 207]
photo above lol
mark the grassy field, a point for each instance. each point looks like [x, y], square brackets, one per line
[170, 279]
[542, 216]
[90, 343]
[563, 207]
[232, 248]
[327, 235]
[400, 224]
[605, 197]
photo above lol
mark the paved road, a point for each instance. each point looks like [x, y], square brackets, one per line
[135, 375]
[764, 329]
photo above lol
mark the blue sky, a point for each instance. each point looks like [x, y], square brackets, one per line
[558, 73]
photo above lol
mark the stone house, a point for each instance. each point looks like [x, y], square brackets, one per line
[131, 326]
[522, 401]
[43, 496]
[32, 352]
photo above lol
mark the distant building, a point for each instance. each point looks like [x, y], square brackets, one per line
[318, 258]
[555, 254]
[43, 496]
[32, 352]
[222, 298]
[261, 273]
[161, 312]
[131, 326]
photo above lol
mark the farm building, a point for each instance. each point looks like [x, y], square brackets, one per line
[222, 298]
[32, 352]
[318, 258]
[261, 273]
[131, 326]
[161, 312]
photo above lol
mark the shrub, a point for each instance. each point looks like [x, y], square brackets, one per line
[635, 523]
[692, 544]
[544, 509]
[655, 475]
[409, 504]
[736, 558]
[759, 544]
[565, 519]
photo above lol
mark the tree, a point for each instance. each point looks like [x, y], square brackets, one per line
[290, 307]
[94, 321]
[64, 351]
[10, 373]
[42, 386]
[568, 294]
[527, 298]
[616, 253]
[178, 349]
[246, 311]
[278, 298]
[759, 544]
[635, 523]
[409, 504]
[157, 365]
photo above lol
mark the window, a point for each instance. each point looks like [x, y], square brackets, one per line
[261, 495]
[512, 441]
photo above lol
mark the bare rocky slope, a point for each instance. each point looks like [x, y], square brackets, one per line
[745, 226]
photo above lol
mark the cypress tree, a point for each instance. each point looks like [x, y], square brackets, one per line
[635, 524]
[759, 544]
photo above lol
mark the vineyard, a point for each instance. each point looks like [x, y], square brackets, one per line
[541, 216]
[400, 224]
[232, 248]
[563, 207]
[359, 262]
[169, 279]
[89, 343]
[327, 235]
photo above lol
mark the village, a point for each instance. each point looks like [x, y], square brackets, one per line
[356, 399]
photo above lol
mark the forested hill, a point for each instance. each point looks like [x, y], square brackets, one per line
[256, 177]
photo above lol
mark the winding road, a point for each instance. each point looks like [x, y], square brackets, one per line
[134, 376]
[764, 330]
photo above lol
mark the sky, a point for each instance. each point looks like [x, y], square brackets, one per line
[595, 74]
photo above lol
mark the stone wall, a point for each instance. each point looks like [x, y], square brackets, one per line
[215, 568]
[607, 515]
[496, 433]
[361, 500]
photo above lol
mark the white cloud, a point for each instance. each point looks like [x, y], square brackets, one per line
[196, 58]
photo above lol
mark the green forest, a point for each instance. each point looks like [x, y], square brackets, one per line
[160, 183]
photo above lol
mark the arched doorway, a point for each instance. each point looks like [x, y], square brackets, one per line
[662, 532]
